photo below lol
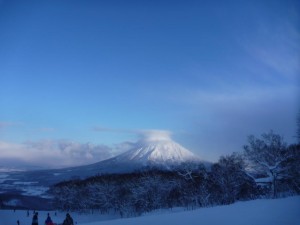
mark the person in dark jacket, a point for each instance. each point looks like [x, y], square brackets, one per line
[35, 220]
[68, 220]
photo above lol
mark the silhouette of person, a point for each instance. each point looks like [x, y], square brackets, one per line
[68, 220]
[35, 220]
[48, 221]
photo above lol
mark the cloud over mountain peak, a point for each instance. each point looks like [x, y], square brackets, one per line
[155, 135]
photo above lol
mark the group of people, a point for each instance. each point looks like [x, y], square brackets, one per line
[68, 220]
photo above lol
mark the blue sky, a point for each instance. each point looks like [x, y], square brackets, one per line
[209, 72]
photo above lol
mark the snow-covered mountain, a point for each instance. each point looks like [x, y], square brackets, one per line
[155, 149]
[162, 153]
[158, 151]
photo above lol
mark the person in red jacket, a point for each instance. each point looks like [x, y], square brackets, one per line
[48, 221]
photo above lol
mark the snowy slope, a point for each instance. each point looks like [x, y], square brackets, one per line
[258, 212]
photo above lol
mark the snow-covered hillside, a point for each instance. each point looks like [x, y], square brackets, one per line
[284, 211]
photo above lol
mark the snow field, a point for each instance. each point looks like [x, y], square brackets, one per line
[284, 211]
[9, 217]
[258, 212]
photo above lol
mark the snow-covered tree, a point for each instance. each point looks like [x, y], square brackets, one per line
[298, 128]
[266, 157]
[291, 171]
[230, 176]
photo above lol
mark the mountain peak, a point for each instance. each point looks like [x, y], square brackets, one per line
[158, 151]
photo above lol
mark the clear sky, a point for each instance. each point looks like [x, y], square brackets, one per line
[93, 74]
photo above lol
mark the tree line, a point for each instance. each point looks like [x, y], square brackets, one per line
[267, 168]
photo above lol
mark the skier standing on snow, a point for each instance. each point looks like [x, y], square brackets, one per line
[35, 220]
[68, 220]
[48, 221]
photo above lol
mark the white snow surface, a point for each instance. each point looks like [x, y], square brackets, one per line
[158, 152]
[285, 211]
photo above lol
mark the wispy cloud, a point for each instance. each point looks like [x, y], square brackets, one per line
[221, 120]
[64, 153]
[46, 129]
[155, 135]
[4, 124]
[112, 130]
[52, 153]
[278, 48]
[142, 134]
